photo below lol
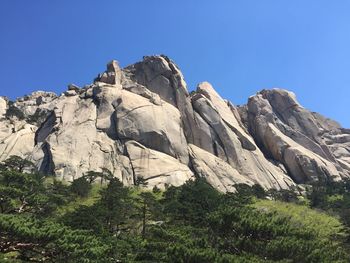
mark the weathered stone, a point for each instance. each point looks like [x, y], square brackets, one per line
[141, 122]
[39, 103]
[217, 172]
[70, 144]
[226, 114]
[105, 96]
[158, 169]
[16, 139]
[17, 136]
[70, 92]
[294, 136]
[113, 75]
[73, 87]
[143, 91]
[3, 106]
[237, 145]
[157, 127]
[161, 76]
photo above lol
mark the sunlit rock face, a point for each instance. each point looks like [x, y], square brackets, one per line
[3, 106]
[307, 144]
[141, 122]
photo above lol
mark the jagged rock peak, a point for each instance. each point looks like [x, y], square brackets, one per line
[305, 142]
[160, 75]
[113, 74]
[141, 122]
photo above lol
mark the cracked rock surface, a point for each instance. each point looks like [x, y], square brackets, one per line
[141, 122]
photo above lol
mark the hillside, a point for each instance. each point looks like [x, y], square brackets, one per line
[45, 220]
[134, 168]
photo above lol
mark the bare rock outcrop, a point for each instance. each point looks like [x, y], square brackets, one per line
[294, 136]
[233, 144]
[70, 144]
[156, 168]
[141, 122]
[162, 76]
[113, 75]
[216, 171]
[3, 107]
[19, 121]
[155, 126]
[16, 138]
[36, 106]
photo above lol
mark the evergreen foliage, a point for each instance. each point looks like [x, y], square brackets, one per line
[81, 186]
[97, 219]
[13, 111]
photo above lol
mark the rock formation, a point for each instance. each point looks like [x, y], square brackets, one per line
[141, 122]
[303, 141]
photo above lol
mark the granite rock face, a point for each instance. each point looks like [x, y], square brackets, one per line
[305, 142]
[141, 122]
[232, 143]
[157, 168]
[3, 107]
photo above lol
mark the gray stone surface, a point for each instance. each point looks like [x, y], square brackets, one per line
[3, 107]
[233, 143]
[141, 122]
[155, 126]
[303, 141]
[156, 168]
[215, 170]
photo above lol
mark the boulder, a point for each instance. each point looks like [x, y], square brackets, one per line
[74, 87]
[113, 75]
[70, 93]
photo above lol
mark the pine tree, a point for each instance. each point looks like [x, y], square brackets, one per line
[117, 205]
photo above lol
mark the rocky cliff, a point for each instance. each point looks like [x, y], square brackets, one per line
[141, 122]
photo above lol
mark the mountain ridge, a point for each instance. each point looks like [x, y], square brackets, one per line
[141, 122]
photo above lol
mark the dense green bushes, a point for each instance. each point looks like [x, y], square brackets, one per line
[13, 111]
[47, 240]
[42, 219]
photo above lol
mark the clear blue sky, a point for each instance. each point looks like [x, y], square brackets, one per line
[240, 46]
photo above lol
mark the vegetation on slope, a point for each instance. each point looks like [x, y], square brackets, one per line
[42, 220]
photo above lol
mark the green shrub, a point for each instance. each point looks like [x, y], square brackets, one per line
[81, 187]
[13, 111]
